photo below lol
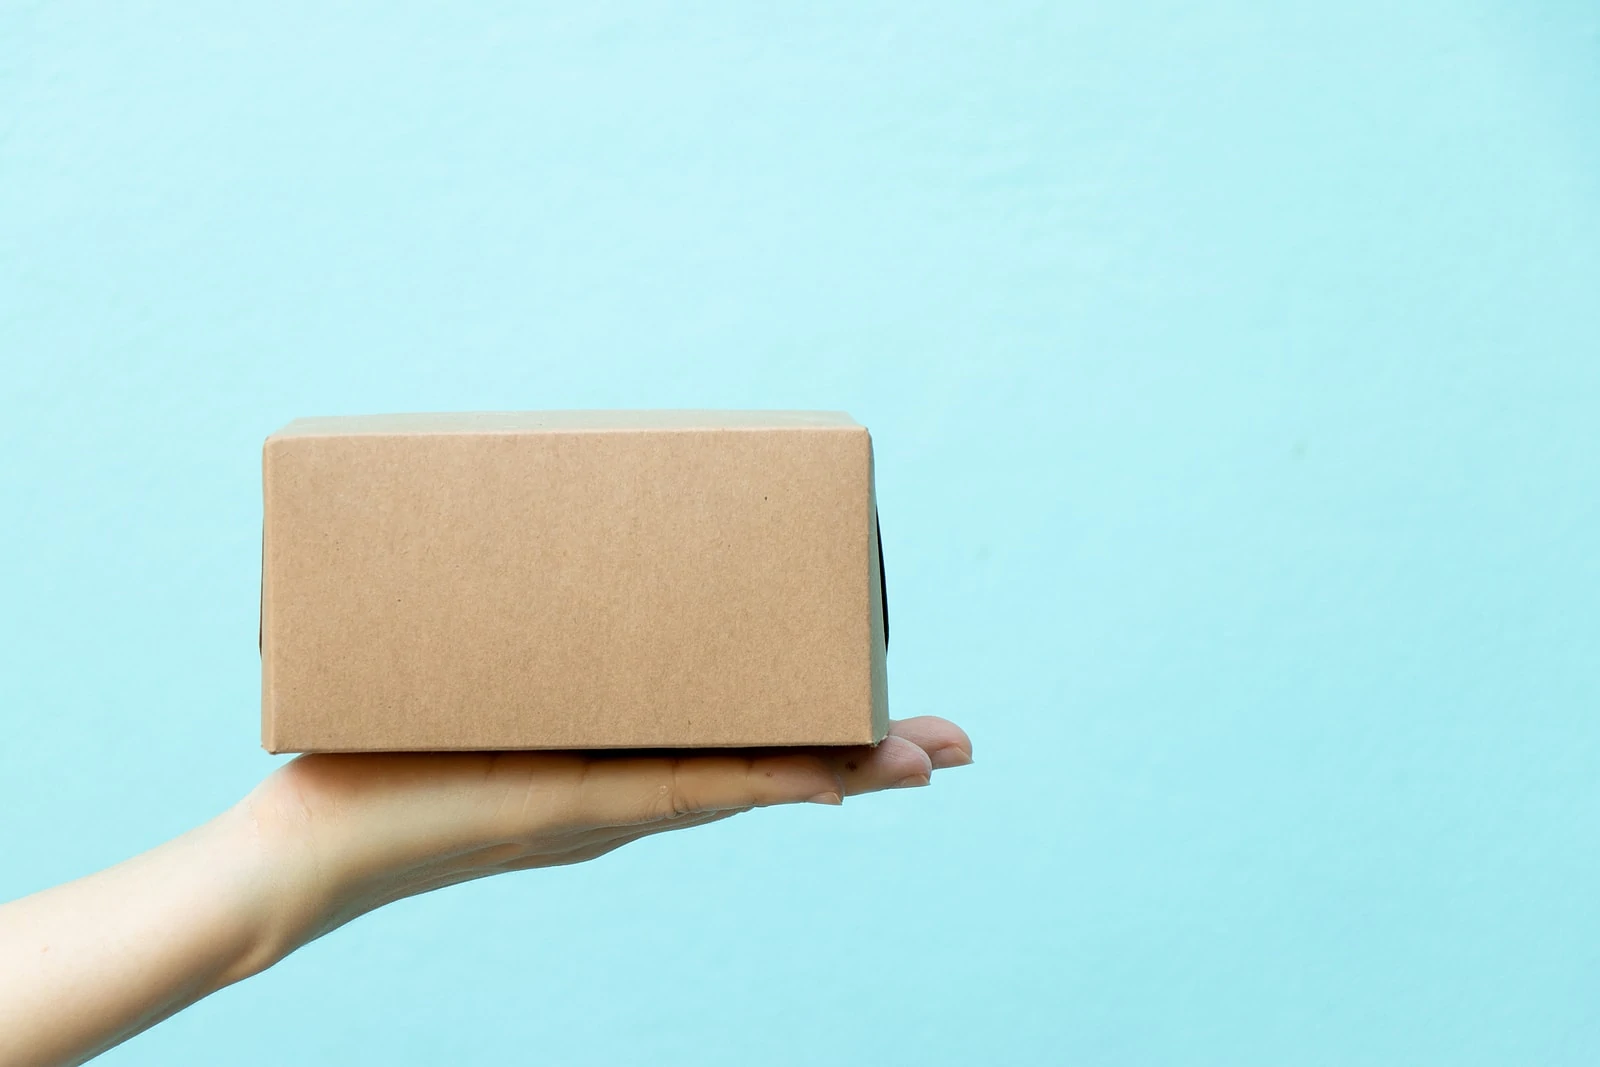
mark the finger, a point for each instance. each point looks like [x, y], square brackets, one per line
[703, 818]
[946, 744]
[602, 846]
[588, 846]
[621, 835]
[583, 855]
[894, 763]
[633, 791]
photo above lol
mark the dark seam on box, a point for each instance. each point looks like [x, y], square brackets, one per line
[883, 582]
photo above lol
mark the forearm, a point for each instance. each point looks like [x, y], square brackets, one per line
[88, 964]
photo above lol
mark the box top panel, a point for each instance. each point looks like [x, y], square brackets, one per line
[520, 422]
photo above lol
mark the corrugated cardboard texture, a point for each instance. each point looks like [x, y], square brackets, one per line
[571, 580]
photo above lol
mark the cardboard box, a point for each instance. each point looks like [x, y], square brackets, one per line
[571, 580]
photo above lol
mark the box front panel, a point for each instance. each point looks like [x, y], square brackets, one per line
[567, 590]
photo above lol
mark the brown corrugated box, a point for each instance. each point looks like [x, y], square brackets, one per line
[571, 580]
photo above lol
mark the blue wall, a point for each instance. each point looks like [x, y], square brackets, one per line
[1235, 374]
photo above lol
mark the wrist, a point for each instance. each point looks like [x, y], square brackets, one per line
[283, 900]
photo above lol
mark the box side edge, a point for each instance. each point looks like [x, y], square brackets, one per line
[877, 606]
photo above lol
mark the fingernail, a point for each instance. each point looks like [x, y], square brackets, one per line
[953, 756]
[826, 798]
[911, 782]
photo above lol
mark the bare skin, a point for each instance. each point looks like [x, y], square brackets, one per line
[325, 839]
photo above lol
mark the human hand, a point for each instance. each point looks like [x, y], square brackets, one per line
[350, 833]
[325, 838]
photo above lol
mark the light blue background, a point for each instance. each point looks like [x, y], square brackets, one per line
[1235, 375]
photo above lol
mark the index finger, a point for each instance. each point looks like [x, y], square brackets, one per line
[636, 790]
